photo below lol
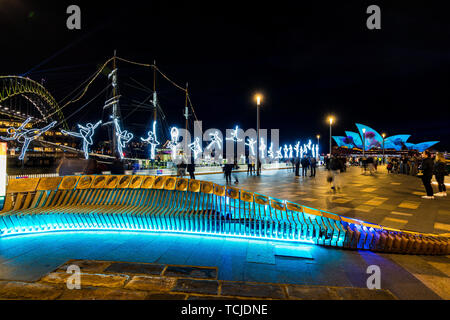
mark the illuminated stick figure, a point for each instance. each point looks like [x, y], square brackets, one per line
[25, 136]
[173, 142]
[286, 149]
[297, 148]
[123, 137]
[291, 153]
[234, 135]
[195, 147]
[279, 155]
[215, 139]
[152, 140]
[86, 133]
[262, 147]
[270, 151]
[251, 143]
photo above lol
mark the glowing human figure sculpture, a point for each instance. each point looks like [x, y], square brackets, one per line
[251, 145]
[262, 147]
[152, 140]
[297, 149]
[270, 151]
[196, 147]
[286, 150]
[317, 150]
[279, 155]
[86, 133]
[215, 140]
[234, 136]
[173, 142]
[291, 152]
[123, 137]
[25, 136]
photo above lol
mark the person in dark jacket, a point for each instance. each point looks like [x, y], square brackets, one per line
[427, 170]
[440, 171]
[297, 166]
[227, 168]
[305, 165]
[191, 170]
[313, 164]
[335, 167]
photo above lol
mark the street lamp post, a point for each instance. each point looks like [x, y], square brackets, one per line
[364, 141]
[383, 135]
[318, 137]
[258, 103]
[331, 122]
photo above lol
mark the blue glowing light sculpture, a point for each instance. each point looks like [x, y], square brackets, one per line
[25, 136]
[234, 136]
[270, 151]
[174, 134]
[86, 133]
[196, 147]
[251, 145]
[152, 140]
[123, 137]
[215, 140]
[262, 147]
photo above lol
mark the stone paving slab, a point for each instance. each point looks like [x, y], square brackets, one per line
[122, 286]
[191, 272]
[231, 288]
[210, 287]
[146, 283]
[135, 268]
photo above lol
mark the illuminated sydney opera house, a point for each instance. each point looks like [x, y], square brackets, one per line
[370, 139]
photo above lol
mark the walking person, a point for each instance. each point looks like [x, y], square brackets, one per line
[313, 164]
[305, 165]
[191, 170]
[440, 171]
[249, 165]
[235, 166]
[427, 169]
[227, 168]
[336, 167]
[297, 167]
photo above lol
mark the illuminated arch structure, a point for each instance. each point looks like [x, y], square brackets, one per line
[176, 205]
[374, 140]
[36, 102]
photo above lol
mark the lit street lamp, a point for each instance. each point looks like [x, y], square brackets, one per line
[258, 103]
[318, 137]
[331, 120]
[383, 135]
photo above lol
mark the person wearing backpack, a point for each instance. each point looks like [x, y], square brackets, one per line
[440, 171]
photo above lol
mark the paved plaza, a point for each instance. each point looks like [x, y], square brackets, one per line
[391, 200]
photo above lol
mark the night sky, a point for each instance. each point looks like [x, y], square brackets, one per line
[308, 61]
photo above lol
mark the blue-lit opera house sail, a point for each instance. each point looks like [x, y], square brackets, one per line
[371, 139]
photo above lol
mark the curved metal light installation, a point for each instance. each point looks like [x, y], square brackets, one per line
[178, 205]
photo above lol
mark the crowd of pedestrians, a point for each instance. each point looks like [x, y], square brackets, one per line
[307, 163]
[436, 167]
[408, 165]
